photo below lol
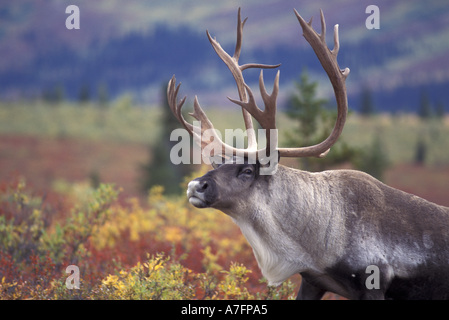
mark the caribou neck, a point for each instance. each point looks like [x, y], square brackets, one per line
[294, 224]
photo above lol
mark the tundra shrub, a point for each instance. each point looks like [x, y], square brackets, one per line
[162, 249]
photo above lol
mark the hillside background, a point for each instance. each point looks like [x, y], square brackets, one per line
[135, 46]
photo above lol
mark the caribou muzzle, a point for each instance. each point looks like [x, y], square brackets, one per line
[201, 192]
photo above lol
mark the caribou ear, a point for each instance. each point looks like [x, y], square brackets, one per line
[216, 161]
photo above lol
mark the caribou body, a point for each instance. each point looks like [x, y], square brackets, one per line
[339, 229]
[330, 226]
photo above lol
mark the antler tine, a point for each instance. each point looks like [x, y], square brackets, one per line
[249, 105]
[172, 93]
[206, 125]
[336, 41]
[238, 44]
[323, 27]
[318, 41]
[269, 99]
[232, 62]
[198, 114]
[267, 117]
[337, 77]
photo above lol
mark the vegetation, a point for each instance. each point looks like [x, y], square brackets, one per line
[122, 122]
[125, 123]
[366, 103]
[167, 250]
[373, 159]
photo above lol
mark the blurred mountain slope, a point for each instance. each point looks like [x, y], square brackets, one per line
[136, 46]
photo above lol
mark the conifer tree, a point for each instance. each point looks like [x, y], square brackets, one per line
[425, 109]
[314, 124]
[366, 102]
[160, 170]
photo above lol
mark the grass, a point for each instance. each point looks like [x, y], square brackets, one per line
[83, 122]
[399, 134]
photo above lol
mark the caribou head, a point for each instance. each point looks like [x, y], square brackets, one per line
[342, 230]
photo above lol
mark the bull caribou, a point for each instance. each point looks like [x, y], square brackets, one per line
[335, 228]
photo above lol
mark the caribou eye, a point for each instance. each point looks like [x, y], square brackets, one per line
[248, 171]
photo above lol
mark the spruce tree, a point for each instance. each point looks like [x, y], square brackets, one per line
[425, 109]
[314, 124]
[159, 170]
[366, 103]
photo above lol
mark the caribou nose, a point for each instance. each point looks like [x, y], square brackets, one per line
[196, 186]
[201, 186]
[191, 188]
[196, 193]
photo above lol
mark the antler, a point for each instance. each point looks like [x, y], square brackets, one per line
[328, 59]
[236, 70]
[207, 128]
[248, 107]
[267, 117]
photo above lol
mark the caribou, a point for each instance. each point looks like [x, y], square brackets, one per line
[343, 231]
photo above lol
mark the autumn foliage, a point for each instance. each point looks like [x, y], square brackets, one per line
[161, 248]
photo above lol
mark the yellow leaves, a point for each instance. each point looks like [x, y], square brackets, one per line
[111, 280]
[9, 290]
[114, 283]
[156, 194]
[157, 278]
[210, 260]
[171, 220]
[5, 285]
[173, 234]
[133, 219]
[155, 263]
[233, 286]
[161, 278]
